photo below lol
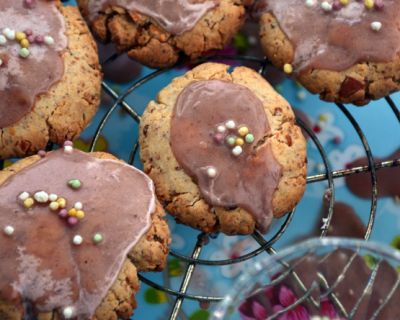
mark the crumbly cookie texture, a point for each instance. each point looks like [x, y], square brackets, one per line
[64, 111]
[358, 85]
[180, 194]
[148, 43]
[149, 254]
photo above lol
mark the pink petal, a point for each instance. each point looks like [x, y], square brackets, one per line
[286, 296]
[245, 310]
[259, 311]
[327, 309]
[302, 313]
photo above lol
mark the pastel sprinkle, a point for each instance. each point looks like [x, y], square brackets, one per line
[72, 212]
[80, 214]
[9, 34]
[24, 43]
[78, 206]
[221, 128]
[42, 153]
[19, 36]
[376, 25]
[23, 196]
[211, 172]
[287, 68]
[326, 6]
[62, 202]
[68, 312]
[310, 3]
[68, 143]
[369, 4]
[41, 197]
[53, 197]
[28, 203]
[1, 62]
[3, 40]
[219, 138]
[77, 240]
[344, 2]
[230, 124]
[30, 3]
[237, 151]
[249, 138]
[48, 40]
[72, 221]
[243, 131]
[39, 39]
[239, 142]
[230, 140]
[75, 183]
[24, 52]
[63, 213]
[68, 149]
[97, 238]
[54, 206]
[9, 230]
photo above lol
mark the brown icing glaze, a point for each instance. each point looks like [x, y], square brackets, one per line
[39, 264]
[22, 80]
[247, 181]
[338, 39]
[389, 185]
[174, 16]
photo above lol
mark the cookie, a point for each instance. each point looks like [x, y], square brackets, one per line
[75, 230]
[49, 74]
[345, 53]
[157, 32]
[223, 150]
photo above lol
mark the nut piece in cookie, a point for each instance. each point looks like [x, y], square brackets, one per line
[346, 52]
[75, 229]
[49, 75]
[223, 150]
[157, 32]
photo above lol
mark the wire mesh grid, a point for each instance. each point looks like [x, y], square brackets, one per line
[265, 245]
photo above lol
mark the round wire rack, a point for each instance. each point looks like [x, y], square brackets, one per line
[265, 244]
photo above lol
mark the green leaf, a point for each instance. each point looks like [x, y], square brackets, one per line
[241, 42]
[154, 296]
[175, 268]
[396, 242]
[200, 315]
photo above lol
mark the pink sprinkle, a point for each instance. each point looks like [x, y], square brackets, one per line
[72, 221]
[28, 32]
[219, 138]
[379, 4]
[336, 5]
[68, 143]
[42, 153]
[39, 39]
[31, 39]
[29, 3]
[63, 213]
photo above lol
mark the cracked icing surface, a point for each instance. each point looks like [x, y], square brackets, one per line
[23, 79]
[88, 270]
[174, 16]
[178, 191]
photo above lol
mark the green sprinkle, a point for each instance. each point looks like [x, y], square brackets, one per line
[97, 238]
[75, 183]
[24, 52]
[231, 140]
[249, 138]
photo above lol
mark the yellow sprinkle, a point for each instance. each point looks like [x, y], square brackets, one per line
[20, 35]
[239, 142]
[369, 4]
[24, 43]
[344, 2]
[62, 202]
[72, 212]
[28, 203]
[54, 206]
[80, 214]
[243, 131]
[288, 68]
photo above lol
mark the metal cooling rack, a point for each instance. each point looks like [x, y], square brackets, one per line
[264, 244]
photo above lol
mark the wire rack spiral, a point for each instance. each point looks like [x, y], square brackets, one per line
[265, 245]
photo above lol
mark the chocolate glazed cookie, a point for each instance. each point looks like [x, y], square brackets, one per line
[73, 250]
[345, 53]
[49, 76]
[156, 32]
[223, 150]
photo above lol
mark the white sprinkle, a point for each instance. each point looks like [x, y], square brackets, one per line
[3, 40]
[78, 206]
[9, 230]
[77, 240]
[41, 197]
[68, 149]
[48, 40]
[237, 151]
[23, 196]
[376, 25]
[53, 197]
[54, 206]
[221, 128]
[310, 3]
[230, 124]
[212, 172]
[68, 312]
[326, 6]
[9, 34]
[301, 95]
